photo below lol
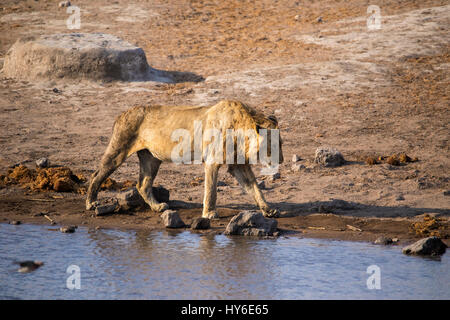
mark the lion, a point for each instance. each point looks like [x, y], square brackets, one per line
[148, 131]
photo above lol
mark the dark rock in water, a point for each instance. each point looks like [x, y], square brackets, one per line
[15, 222]
[68, 229]
[329, 157]
[201, 224]
[383, 240]
[171, 219]
[251, 223]
[431, 246]
[42, 163]
[28, 266]
[161, 194]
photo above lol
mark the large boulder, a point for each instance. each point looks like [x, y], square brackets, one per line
[251, 223]
[431, 246]
[94, 56]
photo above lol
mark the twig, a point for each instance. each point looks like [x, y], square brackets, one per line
[45, 200]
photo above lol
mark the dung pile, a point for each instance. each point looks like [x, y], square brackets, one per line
[59, 179]
[394, 160]
[430, 226]
[94, 56]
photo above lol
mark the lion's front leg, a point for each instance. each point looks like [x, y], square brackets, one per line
[210, 196]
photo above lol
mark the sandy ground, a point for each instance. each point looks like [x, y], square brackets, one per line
[333, 82]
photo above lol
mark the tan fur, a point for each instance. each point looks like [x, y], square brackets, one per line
[148, 130]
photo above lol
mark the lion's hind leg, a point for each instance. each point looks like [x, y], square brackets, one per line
[111, 160]
[246, 178]
[149, 167]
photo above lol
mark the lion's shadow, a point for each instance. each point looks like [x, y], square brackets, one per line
[336, 206]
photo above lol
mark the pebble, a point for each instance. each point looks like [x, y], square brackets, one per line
[42, 163]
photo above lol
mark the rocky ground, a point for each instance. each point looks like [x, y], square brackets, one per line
[314, 64]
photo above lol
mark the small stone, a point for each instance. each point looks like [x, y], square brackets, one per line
[400, 198]
[329, 157]
[262, 185]
[295, 158]
[297, 17]
[274, 176]
[67, 229]
[171, 219]
[64, 4]
[297, 167]
[42, 163]
[15, 222]
[222, 184]
[55, 90]
[105, 209]
[319, 20]
[200, 224]
[383, 240]
[432, 246]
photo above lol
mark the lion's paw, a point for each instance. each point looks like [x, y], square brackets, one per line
[160, 207]
[210, 215]
[271, 213]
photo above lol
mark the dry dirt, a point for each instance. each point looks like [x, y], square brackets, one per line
[368, 93]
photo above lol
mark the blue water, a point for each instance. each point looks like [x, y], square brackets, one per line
[183, 265]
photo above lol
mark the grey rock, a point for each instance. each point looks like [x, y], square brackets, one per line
[251, 223]
[329, 157]
[447, 193]
[262, 185]
[104, 209]
[200, 224]
[274, 176]
[171, 219]
[68, 229]
[42, 163]
[222, 184]
[64, 4]
[130, 199]
[400, 198]
[383, 240]
[431, 246]
[93, 56]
